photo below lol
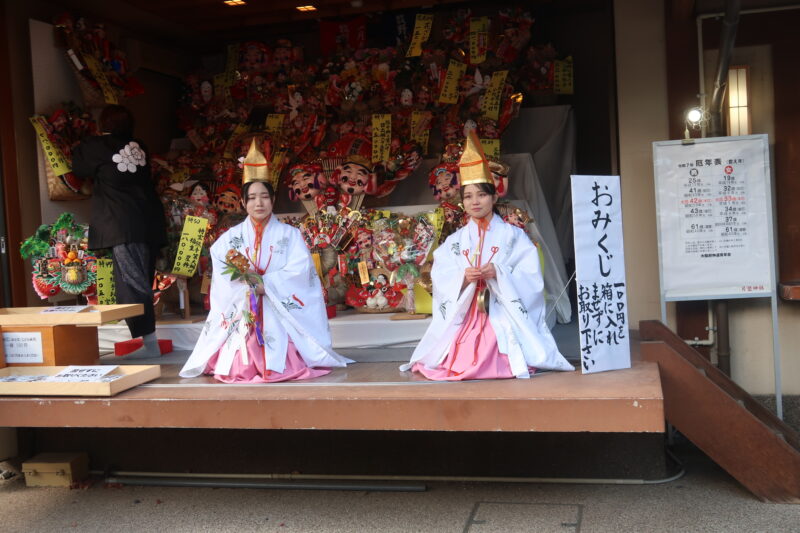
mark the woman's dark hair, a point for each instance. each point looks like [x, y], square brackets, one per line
[116, 120]
[488, 188]
[246, 189]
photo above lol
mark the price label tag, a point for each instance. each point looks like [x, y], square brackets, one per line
[455, 71]
[106, 289]
[422, 30]
[190, 246]
[562, 77]
[381, 137]
[491, 100]
[52, 154]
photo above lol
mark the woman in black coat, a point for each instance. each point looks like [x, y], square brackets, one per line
[126, 215]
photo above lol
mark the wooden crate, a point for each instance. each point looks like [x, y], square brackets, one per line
[62, 345]
[55, 469]
[132, 375]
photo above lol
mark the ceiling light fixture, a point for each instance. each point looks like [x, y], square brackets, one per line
[234, 2]
[305, 9]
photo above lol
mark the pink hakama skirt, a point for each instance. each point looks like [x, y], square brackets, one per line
[473, 355]
[255, 370]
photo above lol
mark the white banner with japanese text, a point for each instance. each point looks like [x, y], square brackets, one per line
[600, 273]
[714, 213]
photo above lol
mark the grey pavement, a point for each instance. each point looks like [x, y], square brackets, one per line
[705, 499]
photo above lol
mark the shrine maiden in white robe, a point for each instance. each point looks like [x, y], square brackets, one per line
[516, 309]
[293, 304]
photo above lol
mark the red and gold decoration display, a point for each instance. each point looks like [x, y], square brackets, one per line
[61, 259]
[58, 134]
[100, 66]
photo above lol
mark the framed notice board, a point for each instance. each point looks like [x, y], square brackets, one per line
[715, 224]
[714, 215]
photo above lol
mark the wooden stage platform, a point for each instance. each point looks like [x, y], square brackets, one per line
[367, 396]
[372, 418]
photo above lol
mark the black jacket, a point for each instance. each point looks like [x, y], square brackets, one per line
[125, 207]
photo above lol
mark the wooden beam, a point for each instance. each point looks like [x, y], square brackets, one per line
[10, 177]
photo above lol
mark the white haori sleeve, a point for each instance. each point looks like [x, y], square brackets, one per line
[221, 329]
[450, 303]
[296, 301]
[518, 295]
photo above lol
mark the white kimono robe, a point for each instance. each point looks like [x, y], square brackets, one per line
[293, 305]
[516, 309]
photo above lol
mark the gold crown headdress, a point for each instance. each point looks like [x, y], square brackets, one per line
[256, 166]
[473, 165]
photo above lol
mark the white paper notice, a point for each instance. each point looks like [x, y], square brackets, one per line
[713, 202]
[65, 309]
[76, 373]
[600, 273]
[23, 346]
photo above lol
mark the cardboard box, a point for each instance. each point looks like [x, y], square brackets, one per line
[55, 469]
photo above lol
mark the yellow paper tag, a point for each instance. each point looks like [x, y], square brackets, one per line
[478, 39]
[109, 93]
[381, 137]
[219, 84]
[238, 130]
[491, 100]
[436, 218]
[179, 175]
[106, 290]
[363, 272]
[423, 302]
[52, 154]
[278, 158]
[562, 77]
[205, 284]
[317, 263]
[190, 246]
[420, 128]
[455, 71]
[232, 62]
[491, 147]
[274, 123]
[422, 30]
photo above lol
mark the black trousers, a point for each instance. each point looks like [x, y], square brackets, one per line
[134, 268]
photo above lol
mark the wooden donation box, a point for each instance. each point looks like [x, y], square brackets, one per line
[57, 336]
[55, 469]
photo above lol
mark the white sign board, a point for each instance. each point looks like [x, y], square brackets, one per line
[714, 212]
[80, 374]
[600, 273]
[65, 309]
[23, 346]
